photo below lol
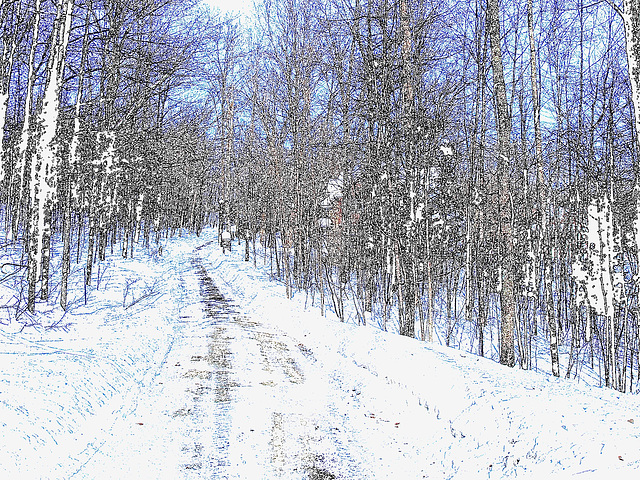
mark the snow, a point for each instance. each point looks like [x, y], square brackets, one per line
[131, 387]
[334, 188]
[446, 150]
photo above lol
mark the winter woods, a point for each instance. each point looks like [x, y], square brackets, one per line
[461, 172]
[95, 142]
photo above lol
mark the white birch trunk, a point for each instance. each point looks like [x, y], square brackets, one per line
[631, 19]
[44, 163]
[21, 162]
[139, 216]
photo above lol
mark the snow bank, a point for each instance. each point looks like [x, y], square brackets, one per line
[61, 389]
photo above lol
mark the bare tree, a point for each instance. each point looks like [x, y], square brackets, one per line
[503, 121]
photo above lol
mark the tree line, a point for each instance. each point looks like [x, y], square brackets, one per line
[461, 172]
[104, 140]
[465, 172]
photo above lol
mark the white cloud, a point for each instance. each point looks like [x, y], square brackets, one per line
[228, 6]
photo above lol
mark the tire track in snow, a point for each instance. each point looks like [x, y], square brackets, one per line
[232, 399]
[278, 368]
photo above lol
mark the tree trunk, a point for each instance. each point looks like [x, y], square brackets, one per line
[430, 290]
[21, 165]
[631, 18]
[6, 69]
[44, 163]
[90, 248]
[550, 312]
[46, 253]
[66, 248]
[503, 121]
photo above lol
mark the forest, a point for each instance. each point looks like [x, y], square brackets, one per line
[464, 173]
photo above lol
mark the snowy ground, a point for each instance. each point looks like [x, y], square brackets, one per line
[204, 369]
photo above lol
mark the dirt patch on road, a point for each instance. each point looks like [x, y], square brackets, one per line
[276, 357]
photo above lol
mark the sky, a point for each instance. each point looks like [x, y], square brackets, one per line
[229, 5]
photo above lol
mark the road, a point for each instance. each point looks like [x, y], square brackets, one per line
[234, 398]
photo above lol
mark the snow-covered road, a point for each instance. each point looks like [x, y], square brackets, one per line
[195, 365]
[238, 399]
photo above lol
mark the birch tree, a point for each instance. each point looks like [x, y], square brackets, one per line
[600, 275]
[70, 168]
[630, 14]
[44, 164]
[23, 160]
